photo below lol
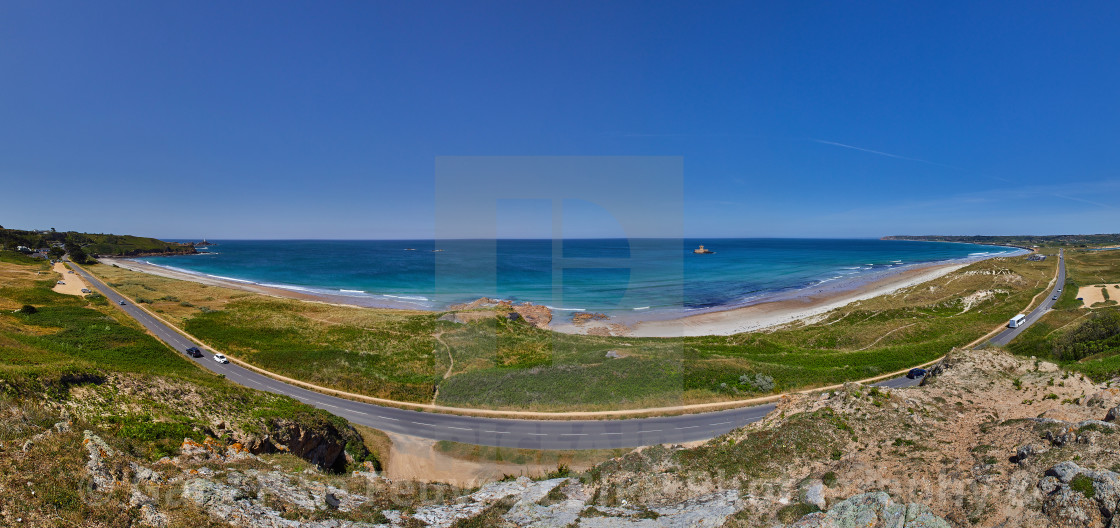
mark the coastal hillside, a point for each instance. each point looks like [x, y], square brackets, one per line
[92, 244]
[988, 440]
[491, 356]
[1019, 240]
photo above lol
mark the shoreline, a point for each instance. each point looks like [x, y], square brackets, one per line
[781, 307]
[769, 314]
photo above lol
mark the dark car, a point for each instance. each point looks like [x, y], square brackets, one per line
[916, 373]
[194, 352]
[121, 303]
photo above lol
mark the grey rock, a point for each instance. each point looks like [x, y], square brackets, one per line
[814, 494]
[1112, 414]
[1027, 451]
[872, 510]
[1064, 471]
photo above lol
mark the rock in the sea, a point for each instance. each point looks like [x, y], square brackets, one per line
[872, 510]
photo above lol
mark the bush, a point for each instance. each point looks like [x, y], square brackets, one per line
[829, 479]
[28, 309]
[1083, 484]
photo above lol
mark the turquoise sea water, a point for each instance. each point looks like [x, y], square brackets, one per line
[615, 276]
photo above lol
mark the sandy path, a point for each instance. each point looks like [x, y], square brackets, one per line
[413, 458]
[73, 283]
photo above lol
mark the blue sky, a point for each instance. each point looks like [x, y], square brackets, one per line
[324, 120]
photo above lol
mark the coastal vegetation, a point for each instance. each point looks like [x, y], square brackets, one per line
[496, 362]
[1080, 337]
[90, 243]
[82, 354]
[1020, 240]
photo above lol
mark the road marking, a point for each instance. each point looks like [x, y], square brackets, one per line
[538, 434]
[497, 432]
[572, 434]
[650, 431]
[459, 428]
[721, 423]
[387, 418]
[689, 427]
[422, 423]
[613, 433]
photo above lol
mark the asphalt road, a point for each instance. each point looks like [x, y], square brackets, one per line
[1005, 337]
[527, 434]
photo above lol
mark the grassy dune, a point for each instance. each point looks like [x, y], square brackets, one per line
[510, 365]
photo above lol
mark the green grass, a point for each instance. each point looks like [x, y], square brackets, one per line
[511, 365]
[1078, 338]
[70, 342]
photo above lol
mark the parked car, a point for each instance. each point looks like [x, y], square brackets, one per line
[86, 290]
[194, 352]
[221, 359]
[916, 373]
[121, 303]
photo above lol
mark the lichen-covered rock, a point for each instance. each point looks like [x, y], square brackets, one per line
[1077, 496]
[872, 510]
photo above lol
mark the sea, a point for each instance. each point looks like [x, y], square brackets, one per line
[650, 278]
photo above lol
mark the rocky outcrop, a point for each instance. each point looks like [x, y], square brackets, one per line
[582, 318]
[872, 510]
[1076, 496]
[534, 314]
[322, 444]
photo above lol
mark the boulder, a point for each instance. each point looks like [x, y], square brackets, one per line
[872, 510]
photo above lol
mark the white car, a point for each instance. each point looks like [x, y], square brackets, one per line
[221, 359]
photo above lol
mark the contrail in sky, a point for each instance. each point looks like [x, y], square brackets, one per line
[919, 160]
[881, 153]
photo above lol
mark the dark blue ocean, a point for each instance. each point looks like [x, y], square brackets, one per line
[614, 275]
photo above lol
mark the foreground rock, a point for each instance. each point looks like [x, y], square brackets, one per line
[873, 510]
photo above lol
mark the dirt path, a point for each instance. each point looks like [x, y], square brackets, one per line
[417, 459]
[450, 367]
[72, 283]
[885, 335]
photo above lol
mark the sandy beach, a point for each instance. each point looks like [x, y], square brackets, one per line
[770, 314]
[726, 322]
[252, 286]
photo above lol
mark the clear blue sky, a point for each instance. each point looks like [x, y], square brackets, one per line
[293, 120]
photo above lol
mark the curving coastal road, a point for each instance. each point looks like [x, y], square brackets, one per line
[501, 432]
[1005, 337]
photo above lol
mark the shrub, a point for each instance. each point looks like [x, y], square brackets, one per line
[28, 309]
[1083, 484]
[829, 479]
